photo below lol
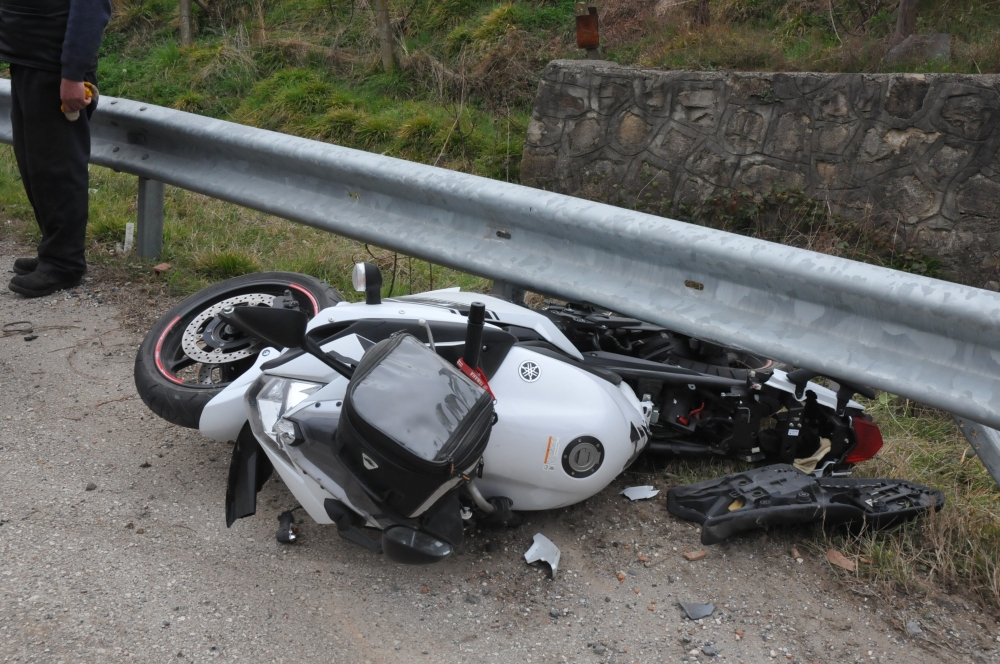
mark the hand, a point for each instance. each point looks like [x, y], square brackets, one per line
[73, 95]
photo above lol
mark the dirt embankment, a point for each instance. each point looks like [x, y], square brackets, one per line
[113, 544]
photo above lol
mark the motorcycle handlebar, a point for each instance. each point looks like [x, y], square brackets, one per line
[474, 334]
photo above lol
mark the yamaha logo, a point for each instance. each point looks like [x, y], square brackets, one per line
[529, 371]
[369, 464]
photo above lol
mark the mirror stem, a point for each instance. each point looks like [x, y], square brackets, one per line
[313, 348]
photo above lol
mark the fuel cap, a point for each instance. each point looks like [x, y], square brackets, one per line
[583, 457]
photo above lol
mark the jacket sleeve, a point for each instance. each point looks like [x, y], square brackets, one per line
[84, 31]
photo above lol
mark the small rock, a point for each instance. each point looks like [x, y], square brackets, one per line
[554, 613]
[913, 628]
[31, 337]
[694, 555]
[472, 599]
[145, 464]
[91, 486]
[599, 649]
[696, 611]
[922, 48]
[710, 651]
[671, 579]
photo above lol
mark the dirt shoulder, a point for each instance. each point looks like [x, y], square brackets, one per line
[113, 543]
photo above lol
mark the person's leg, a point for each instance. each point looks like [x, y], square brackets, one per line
[53, 160]
[21, 265]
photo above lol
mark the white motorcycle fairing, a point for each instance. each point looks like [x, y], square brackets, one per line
[562, 433]
[543, 405]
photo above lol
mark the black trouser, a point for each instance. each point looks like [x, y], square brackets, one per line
[52, 155]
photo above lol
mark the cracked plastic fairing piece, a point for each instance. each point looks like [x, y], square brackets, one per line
[543, 549]
[781, 494]
[639, 492]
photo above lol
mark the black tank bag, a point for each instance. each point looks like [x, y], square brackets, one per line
[412, 424]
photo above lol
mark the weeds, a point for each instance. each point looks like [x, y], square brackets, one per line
[957, 547]
[791, 217]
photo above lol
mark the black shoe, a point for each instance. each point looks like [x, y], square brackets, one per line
[25, 265]
[37, 284]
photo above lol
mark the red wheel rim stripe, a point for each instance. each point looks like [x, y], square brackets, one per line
[159, 342]
[159, 362]
[315, 304]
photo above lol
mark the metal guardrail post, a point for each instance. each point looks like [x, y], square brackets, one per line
[985, 443]
[149, 244]
[508, 291]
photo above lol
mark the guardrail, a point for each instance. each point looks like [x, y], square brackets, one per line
[928, 340]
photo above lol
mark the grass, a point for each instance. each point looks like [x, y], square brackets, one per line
[955, 548]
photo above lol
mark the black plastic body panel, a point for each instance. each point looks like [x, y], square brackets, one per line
[781, 495]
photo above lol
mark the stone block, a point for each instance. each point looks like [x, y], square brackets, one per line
[761, 178]
[966, 114]
[979, 196]
[585, 135]
[745, 130]
[697, 107]
[791, 136]
[906, 95]
[632, 133]
[712, 165]
[921, 48]
[675, 145]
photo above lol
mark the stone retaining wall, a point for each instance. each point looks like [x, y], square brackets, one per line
[915, 153]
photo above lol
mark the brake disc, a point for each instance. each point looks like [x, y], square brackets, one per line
[200, 349]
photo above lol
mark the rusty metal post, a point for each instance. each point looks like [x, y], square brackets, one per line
[588, 31]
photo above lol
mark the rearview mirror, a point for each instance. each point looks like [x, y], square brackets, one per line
[281, 328]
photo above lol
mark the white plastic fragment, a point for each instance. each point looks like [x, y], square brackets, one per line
[129, 237]
[640, 492]
[543, 549]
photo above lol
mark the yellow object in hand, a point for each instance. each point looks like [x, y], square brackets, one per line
[90, 90]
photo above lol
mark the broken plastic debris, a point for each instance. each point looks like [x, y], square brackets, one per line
[161, 268]
[640, 492]
[697, 611]
[543, 549]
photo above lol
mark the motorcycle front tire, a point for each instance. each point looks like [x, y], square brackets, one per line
[181, 402]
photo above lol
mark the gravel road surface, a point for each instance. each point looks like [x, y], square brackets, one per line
[113, 546]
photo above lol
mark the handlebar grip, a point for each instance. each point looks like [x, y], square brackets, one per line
[474, 334]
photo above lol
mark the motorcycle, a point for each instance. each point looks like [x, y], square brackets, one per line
[421, 414]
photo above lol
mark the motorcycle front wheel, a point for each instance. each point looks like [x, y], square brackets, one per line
[190, 354]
